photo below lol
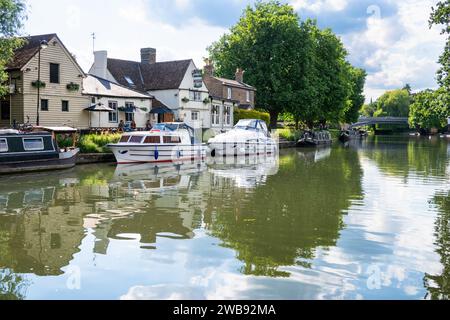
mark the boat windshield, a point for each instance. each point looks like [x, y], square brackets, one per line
[166, 127]
[246, 124]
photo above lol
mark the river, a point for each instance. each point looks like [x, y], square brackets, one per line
[369, 220]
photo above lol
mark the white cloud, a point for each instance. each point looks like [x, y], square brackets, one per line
[397, 50]
[319, 5]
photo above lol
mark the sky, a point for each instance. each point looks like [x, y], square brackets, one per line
[390, 39]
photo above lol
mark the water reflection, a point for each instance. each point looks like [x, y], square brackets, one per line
[307, 224]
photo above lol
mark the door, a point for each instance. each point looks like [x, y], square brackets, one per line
[5, 113]
[169, 117]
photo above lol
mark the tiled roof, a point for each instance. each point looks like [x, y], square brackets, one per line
[93, 85]
[235, 83]
[146, 77]
[28, 51]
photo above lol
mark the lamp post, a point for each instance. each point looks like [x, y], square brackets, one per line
[43, 45]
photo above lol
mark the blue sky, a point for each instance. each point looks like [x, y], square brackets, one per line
[390, 39]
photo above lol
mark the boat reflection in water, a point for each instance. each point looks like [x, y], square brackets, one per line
[315, 155]
[245, 171]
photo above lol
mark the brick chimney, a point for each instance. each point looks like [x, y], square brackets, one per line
[208, 70]
[100, 66]
[240, 75]
[148, 55]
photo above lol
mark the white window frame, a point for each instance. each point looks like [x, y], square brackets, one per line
[229, 93]
[248, 95]
[131, 105]
[227, 116]
[33, 149]
[113, 105]
[195, 96]
[6, 143]
[197, 113]
[215, 115]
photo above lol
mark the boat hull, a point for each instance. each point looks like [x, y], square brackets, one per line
[129, 154]
[222, 149]
[64, 160]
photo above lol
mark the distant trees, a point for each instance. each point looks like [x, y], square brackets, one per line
[296, 67]
[393, 103]
[12, 13]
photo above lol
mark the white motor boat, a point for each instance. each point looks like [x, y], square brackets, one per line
[166, 142]
[248, 137]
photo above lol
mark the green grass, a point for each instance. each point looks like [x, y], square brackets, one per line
[289, 134]
[97, 143]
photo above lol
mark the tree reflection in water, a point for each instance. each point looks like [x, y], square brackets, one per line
[438, 286]
[283, 221]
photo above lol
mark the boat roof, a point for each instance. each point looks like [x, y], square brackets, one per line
[58, 129]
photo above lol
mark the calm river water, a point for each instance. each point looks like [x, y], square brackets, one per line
[366, 221]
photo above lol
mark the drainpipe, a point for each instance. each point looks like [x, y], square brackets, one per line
[10, 102]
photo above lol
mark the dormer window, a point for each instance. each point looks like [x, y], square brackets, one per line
[130, 82]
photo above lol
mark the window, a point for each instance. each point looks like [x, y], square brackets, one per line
[65, 106]
[195, 115]
[215, 115]
[54, 73]
[195, 96]
[229, 93]
[44, 105]
[152, 139]
[172, 139]
[129, 117]
[113, 116]
[129, 81]
[124, 139]
[93, 100]
[3, 145]
[33, 144]
[136, 139]
[248, 96]
[227, 115]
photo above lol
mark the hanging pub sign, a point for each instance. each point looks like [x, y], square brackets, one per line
[198, 78]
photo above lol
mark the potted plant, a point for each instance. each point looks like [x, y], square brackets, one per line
[185, 100]
[207, 100]
[38, 84]
[73, 86]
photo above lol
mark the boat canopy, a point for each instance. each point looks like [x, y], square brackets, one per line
[59, 129]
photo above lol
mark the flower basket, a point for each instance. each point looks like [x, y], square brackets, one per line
[185, 100]
[73, 86]
[38, 84]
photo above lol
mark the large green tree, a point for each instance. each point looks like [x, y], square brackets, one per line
[394, 103]
[441, 16]
[430, 110]
[356, 99]
[263, 42]
[12, 14]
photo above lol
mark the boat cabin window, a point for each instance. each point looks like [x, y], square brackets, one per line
[152, 139]
[246, 124]
[136, 139]
[172, 139]
[124, 139]
[3, 145]
[166, 127]
[33, 144]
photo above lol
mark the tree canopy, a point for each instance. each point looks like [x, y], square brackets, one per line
[295, 66]
[441, 16]
[430, 109]
[12, 14]
[393, 103]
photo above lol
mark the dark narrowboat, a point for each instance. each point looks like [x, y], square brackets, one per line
[36, 150]
[315, 139]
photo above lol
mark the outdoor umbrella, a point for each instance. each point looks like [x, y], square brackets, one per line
[98, 107]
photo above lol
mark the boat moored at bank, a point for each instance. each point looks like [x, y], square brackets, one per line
[315, 139]
[248, 137]
[35, 150]
[166, 142]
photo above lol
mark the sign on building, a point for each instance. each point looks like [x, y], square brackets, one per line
[198, 78]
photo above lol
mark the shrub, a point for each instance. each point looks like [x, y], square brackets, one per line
[64, 141]
[94, 143]
[290, 135]
[250, 114]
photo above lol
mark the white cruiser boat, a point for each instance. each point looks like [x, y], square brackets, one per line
[166, 142]
[248, 137]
